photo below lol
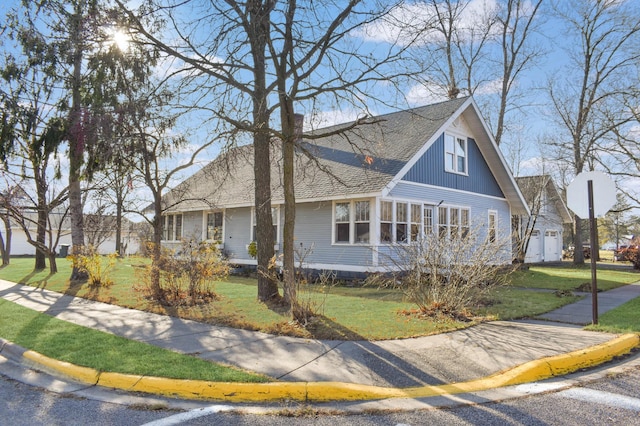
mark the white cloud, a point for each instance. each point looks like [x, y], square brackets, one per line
[489, 88]
[409, 23]
[424, 94]
[321, 119]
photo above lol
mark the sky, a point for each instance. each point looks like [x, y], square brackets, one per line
[531, 121]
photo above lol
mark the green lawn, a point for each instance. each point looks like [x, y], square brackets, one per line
[344, 312]
[567, 277]
[105, 352]
[623, 319]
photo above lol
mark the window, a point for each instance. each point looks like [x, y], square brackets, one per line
[464, 222]
[352, 222]
[172, 227]
[428, 219]
[493, 225]
[416, 221]
[443, 228]
[342, 221]
[362, 222]
[386, 221]
[401, 222]
[453, 222]
[274, 220]
[455, 154]
[214, 226]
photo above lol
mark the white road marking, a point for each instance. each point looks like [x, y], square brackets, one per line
[189, 415]
[537, 387]
[600, 397]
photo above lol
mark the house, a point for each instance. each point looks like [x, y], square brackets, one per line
[545, 223]
[99, 232]
[360, 191]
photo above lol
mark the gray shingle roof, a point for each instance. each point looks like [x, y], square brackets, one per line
[360, 160]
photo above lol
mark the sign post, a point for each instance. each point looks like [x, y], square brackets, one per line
[592, 238]
[599, 186]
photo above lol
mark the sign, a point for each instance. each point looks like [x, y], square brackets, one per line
[604, 194]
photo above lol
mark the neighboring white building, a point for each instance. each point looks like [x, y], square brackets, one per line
[107, 242]
[549, 212]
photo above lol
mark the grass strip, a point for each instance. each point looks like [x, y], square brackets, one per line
[623, 319]
[105, 352]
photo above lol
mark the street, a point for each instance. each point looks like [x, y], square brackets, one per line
[612, 399]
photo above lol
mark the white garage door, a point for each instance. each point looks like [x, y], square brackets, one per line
[551, 247]
[534, 253]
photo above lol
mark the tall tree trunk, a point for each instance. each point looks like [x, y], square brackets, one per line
[157, 247]
[76, 140]
[53, 266]
[578, 253]
[6, 243]
[119, 202]
[257, 32]
[288, 119]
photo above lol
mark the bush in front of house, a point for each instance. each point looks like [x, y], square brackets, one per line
[447, 274]
[96, 266]
[187, 275]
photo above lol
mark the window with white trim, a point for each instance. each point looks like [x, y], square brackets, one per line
[416, 221]
[362, 222]
[404, 222]
[455, 154]
[401, 222]
[453, 222]
[352, 222]
[428, 219]
[492, 226]
[275, 220]
[214, 224]
[386, 221]
[172, 227]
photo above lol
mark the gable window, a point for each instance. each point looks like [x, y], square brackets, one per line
[214, 226]
[275, 215]
[352, 222]
[172, 227]
[455, 154]
[492, 226]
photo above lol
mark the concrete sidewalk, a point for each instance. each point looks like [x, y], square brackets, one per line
[454, 357]
[580, 312]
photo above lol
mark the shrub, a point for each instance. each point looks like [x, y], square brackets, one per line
[93, 264]
[443, 275]
[187, 276]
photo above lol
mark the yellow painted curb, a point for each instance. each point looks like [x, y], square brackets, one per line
[338, 391]
[83, 374]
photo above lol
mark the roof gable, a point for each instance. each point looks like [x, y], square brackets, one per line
[339, 161]
[530, 187]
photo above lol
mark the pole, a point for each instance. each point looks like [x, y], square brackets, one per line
[592, 242]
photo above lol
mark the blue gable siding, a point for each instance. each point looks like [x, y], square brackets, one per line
[429, 170]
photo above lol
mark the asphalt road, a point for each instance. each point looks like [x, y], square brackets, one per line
[611, 399]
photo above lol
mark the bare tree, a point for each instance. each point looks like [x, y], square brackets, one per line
[590, 103]
[267, 56]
